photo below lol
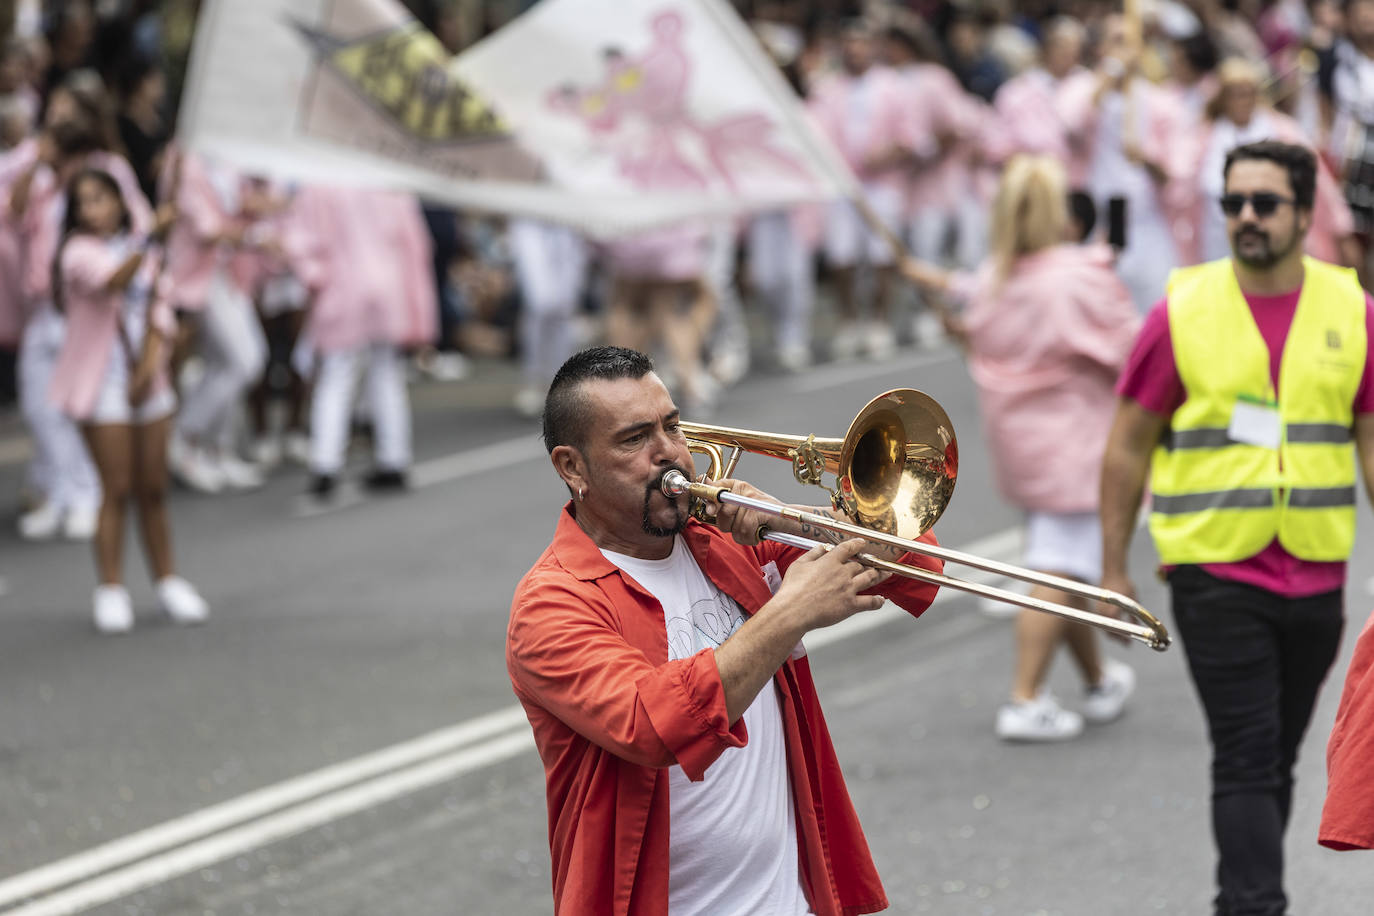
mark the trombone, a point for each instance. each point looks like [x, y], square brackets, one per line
[895, 471]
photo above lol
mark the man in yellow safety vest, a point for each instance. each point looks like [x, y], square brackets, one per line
[1247, 400]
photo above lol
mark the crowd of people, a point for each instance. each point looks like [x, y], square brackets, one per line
[1035, 177]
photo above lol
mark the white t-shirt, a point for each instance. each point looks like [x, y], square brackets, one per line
[732, 836]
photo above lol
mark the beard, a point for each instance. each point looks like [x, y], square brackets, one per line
[1260, 255]
[680, 514]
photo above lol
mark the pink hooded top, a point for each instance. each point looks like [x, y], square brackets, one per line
[365, 257]
[1044, 349]
[93, 312]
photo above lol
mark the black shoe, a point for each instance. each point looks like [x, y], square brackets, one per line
[383, 480]
[322, 486]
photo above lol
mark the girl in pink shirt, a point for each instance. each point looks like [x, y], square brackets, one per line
[111, 378]
[1047, 326]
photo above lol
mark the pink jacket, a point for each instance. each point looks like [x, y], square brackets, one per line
[1044, 350]
[193, 254]
[42, 220]
[935, 106]
[14, 310]
[1331, 217]
[1030, 119]
[862, 134]
[365, 256]
[92, 312]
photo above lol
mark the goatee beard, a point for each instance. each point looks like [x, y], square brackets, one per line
[656, 530]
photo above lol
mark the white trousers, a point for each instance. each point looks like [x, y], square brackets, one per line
[848, 240]
[780, 271]
[388, 402]
[731, 331]
[61, 468]
[551, 270]
[234, 353]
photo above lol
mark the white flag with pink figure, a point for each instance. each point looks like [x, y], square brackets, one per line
[613, 115]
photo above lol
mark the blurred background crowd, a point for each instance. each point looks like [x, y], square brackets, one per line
[285, 296]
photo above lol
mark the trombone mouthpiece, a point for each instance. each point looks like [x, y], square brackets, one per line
[674, 483]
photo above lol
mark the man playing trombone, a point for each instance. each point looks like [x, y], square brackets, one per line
[688, 766]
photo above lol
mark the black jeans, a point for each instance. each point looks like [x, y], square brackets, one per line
[1257, 660]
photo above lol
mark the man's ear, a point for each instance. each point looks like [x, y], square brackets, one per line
[570, 466]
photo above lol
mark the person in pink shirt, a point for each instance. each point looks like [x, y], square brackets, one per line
[364, 256]
[1047, 325]
[1249, 396]
[862, 112]
[78, 130]
[1133, 136]
[1029, 116]
[941, 128]
[111, 378]
[215, 263]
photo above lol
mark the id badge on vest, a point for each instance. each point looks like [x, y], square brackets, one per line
[1255, 421]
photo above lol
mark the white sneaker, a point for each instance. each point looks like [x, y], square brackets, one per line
[845, 343]
[1107, 700]
[1040, 719]
[238, 474]
[794, 357]
[41, 524]
[529, 403]
[297, 447]
[80, 523]
[448, 367]
[181, 601]
[879, 341]
[114, 611]
[196, 470]
[730, 364]
[928, 330]
[267, 451]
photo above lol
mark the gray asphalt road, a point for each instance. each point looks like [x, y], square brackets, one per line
[233, 769]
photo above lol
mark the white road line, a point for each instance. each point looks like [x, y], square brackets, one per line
[213, 834]
[256, 804]
[222, 846]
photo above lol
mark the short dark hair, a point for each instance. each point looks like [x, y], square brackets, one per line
[565, 408]
[1299, 161]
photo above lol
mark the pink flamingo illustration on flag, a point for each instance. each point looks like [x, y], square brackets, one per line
[650, 92]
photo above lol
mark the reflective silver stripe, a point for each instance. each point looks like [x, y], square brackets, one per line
[1215, 499]
[1202, 437]
[1218, 437]
[1332, 433]
[1321, 497]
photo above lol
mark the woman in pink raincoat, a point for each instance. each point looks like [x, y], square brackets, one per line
[1047, 326]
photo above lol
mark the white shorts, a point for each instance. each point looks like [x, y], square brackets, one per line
[1069, 544]
[112, 403]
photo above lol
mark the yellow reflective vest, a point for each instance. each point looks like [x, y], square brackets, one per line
[1217, 494]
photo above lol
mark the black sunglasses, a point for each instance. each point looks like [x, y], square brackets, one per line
[1264, 203]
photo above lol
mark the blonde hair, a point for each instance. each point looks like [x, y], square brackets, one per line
[1030, 211]
[1237, 71]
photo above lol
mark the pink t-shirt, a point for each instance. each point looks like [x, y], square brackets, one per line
[1151, 379]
